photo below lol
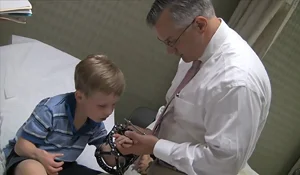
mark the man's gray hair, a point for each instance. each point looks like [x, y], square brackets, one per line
[183, 11]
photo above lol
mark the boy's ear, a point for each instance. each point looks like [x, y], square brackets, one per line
[79, 96]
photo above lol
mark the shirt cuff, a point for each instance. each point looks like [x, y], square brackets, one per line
[151, 126]
[162, 150]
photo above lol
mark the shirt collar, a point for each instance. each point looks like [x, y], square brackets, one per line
[71, 106]
[216, 41]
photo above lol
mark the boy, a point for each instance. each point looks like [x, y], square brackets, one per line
[59, 128]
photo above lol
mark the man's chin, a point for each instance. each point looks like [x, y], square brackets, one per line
[186, 60]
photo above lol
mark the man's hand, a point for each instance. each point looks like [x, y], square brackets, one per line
[142, 164]
[142, 144]
[144, 130]
[48, 161]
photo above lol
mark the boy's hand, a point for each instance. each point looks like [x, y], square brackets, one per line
[123, 141]
[142, 144]
[48, 161]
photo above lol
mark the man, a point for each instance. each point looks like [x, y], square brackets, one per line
[219, 99]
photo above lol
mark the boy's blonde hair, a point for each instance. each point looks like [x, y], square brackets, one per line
[97, 73]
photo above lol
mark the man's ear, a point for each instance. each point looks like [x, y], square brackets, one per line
[201, 23]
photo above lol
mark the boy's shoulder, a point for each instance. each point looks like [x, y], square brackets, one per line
[57, 103]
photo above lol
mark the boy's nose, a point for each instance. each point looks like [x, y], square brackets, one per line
[108, 111]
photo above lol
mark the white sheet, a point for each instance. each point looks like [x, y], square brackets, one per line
[31, 70]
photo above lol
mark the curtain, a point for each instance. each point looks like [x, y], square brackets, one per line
[296, 169]
[259, 22]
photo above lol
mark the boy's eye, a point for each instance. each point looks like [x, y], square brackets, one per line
[102, 106]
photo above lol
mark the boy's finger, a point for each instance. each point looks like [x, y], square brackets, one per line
[118, 139]
[116, 135]
[57, 164]
[121, 141]
[57, 155]
[55, 170]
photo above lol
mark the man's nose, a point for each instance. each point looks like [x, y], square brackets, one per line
[170, 50]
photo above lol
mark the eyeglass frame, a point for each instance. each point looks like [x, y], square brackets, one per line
[173, 43]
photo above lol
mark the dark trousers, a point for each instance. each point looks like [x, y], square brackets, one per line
[69, 168]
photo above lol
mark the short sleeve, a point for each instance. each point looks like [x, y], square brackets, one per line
[99, 135]
[38, 125]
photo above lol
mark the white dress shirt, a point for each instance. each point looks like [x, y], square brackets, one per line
[218, 117]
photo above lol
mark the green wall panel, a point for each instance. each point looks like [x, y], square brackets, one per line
[279, 146]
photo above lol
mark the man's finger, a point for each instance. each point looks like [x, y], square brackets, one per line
[125, 145]
[124, 151]
[130, 127]
[142, 164]
[137, 161]
[144, 157]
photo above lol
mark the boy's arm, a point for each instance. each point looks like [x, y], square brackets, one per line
[38, 125]
[33, 132]
[26, 149]
[97, 140]
[98, 136]
[109, 159]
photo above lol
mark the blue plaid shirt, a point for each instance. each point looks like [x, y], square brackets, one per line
[50, 127]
